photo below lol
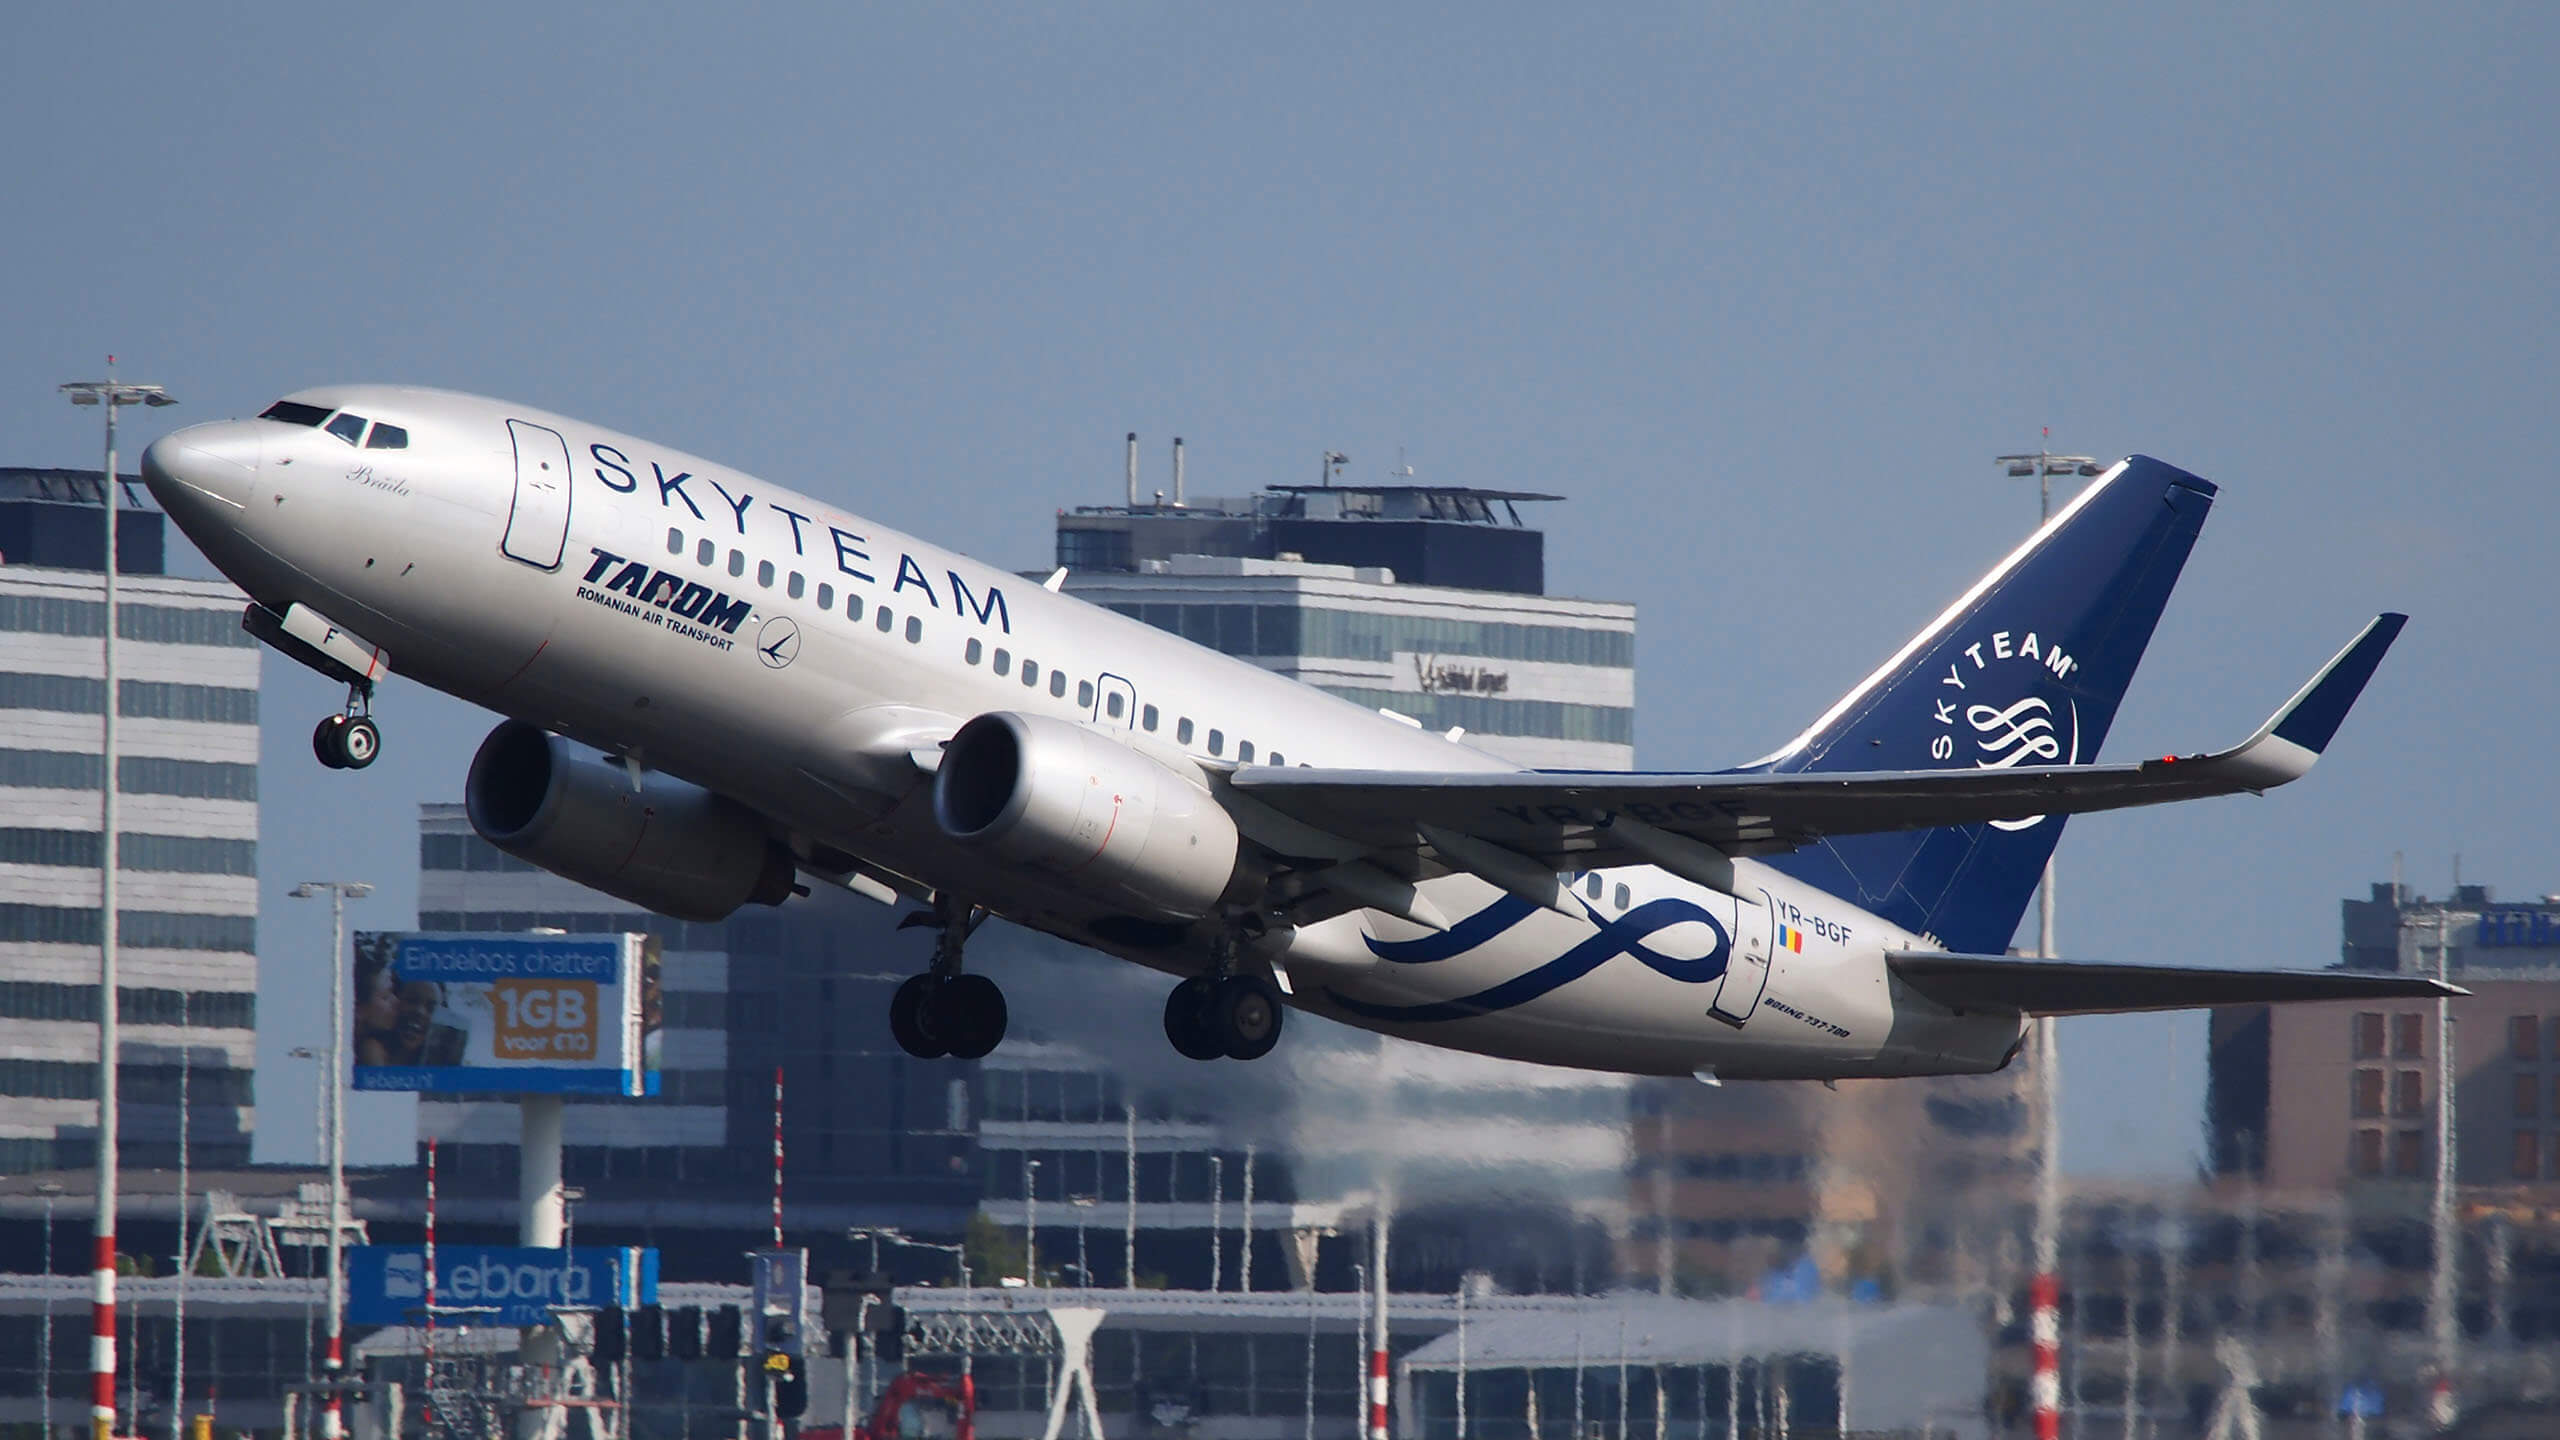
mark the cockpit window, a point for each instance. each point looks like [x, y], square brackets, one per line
[294, 412]
[387, 437]
[348, 427]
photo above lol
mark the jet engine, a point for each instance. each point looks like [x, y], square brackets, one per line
[673, 847]
[1061, 798]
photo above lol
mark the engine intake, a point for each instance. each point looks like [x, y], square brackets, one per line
[1062, 798]
[670, 846]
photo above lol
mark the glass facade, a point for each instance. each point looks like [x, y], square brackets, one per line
[1283, 630]
[154, 624]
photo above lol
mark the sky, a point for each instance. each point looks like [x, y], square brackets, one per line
[1762, 289]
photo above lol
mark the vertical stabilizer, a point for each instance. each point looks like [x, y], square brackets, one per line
[2025, 668]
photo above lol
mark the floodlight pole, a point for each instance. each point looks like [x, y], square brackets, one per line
[111, 396]
[2044, 1288]
[333, 1420]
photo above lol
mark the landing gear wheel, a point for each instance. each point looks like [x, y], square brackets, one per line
[1247, 1012]
[359, 742]
[324, 741]
[968, 1011]
[907, 1009]
[1187, 1021]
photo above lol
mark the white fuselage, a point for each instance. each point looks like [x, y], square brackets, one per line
[563, 600]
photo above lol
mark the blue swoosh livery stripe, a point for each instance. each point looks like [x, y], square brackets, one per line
[1623, 936]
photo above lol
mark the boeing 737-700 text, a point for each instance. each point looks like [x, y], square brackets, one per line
[714, 687]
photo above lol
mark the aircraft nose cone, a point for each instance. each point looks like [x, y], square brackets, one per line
[200, 463]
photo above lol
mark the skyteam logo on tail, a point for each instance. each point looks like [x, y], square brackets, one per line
[2008, 724]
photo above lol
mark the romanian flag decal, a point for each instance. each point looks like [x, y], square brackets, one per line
[1790, 938]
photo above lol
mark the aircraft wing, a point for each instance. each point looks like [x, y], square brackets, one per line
[1502, 823]
[2082, 987]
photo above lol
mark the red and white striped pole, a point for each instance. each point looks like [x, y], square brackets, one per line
[102, 1320]
[777, 1157]
[1378, 1321]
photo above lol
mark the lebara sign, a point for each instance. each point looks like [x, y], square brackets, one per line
[505, 1284]
[506, 1014]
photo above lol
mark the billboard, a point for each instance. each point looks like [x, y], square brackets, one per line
[505, 1284]
[453, 1014]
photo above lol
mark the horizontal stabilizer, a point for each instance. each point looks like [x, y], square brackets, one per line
[2088, 987]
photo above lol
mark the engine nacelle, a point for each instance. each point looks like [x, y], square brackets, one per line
[673, 847]
[1067, 800]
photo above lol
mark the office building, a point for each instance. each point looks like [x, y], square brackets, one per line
[187, 778]
[1426, 601]
[1908, 1186]
[2328, 1096]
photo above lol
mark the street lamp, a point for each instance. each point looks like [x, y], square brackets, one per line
[2044, 1291]
[113, 395]
[339, 893]
[44, 1338]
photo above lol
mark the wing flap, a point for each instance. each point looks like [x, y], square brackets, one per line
[2085, 987]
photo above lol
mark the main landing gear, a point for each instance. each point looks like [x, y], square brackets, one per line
[945, 1011]
[349, 740]
[1231, 1012]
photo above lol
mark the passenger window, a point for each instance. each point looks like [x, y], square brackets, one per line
[1084, 695]
[1004, 660]
[1030, 672]
[1182, 731]
[1147, 718]
[852, 606]
[974, 650]
[1217, 742]
[705, 553]
[882, 619]
[1594, 886]
[1621, 897]
[826, 597]
[1058, 684]
[387, 437]
[915, 629]
[764, 573]
[675, 542]
[737, 562]
[349, 428]
[796, 586]
[1244, 752]
[1117, 705]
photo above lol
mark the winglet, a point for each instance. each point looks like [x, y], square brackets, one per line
[2296, 734]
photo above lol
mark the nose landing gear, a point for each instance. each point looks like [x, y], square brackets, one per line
[945, 1011]
[349, 740]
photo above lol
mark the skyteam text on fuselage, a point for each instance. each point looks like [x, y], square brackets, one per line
[717, 690]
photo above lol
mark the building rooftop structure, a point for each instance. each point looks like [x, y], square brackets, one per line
[1449, 535]
[50, 518]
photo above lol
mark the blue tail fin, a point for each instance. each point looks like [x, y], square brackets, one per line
[2026, 668]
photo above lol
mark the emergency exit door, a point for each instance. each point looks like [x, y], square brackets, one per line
[1746, 973]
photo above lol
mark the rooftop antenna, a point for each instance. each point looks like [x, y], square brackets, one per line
[1334, 460]
[1402, 470]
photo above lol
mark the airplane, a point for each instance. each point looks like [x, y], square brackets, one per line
[717, 692]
